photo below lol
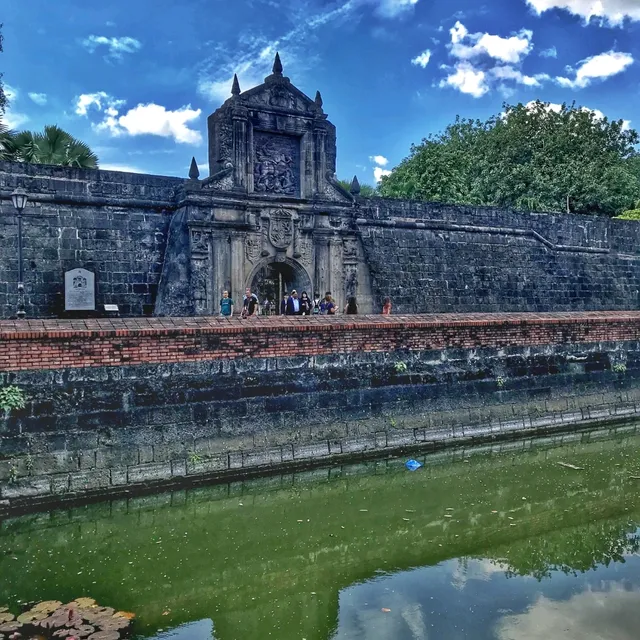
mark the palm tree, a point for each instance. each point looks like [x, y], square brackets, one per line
[53, 146]
[7, 144]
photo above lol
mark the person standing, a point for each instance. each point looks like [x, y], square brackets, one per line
[386, 307]
[283, 304]
[351, 307]
[226, 305]
[250, 303]
[316, 304]
[327, 306]
[305, 304]
[293, 304]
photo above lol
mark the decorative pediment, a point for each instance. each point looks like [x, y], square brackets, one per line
[279, 96]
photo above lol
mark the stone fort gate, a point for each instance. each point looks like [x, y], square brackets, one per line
[271, 216]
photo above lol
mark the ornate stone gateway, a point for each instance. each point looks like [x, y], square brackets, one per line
[272, 280]
[271, 215]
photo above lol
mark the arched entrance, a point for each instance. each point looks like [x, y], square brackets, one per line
[271, 280]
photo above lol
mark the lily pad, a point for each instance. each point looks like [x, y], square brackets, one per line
[85, 603]
[5, 616]
[49, 606]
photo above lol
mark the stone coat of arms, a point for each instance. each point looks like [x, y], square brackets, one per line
[281, 229]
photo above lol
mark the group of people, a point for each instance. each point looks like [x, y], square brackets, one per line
[292, 305]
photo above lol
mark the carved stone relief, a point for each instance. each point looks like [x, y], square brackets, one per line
[276, 167]
[305, 248]
[350, 246]
[253, 247]
[199, 241]
[281, 228]
[350, 280]
[281, 97]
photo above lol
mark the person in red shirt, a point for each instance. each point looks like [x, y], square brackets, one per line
[386, 307]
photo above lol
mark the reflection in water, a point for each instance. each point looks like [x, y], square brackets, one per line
[200, 630]
[611, 612]
[476, 544]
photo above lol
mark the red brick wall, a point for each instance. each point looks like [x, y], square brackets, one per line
[55, 344]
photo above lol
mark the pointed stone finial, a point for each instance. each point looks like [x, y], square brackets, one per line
[235, 88]
[355, 186]
[318, 100]
[277, 66]
[194, 172]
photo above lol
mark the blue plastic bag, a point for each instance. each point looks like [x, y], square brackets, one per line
[412, 465]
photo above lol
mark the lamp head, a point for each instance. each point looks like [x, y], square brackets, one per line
[19, 198]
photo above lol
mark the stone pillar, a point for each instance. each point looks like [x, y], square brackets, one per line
[240, 148]
[320, 159]
[221, 269]
[237, 266]
[323, 266]
[201, 271]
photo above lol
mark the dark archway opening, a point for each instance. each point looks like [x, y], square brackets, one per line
[274, 279]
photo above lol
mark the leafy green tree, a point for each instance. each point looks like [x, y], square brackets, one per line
[53, 146]
[530, 157]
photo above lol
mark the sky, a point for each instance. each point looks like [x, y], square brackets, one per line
[136, 79]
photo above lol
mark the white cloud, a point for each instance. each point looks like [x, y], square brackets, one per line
[467, 79]
[423, 59]
[100, 101]
[256, 59]
[557, 108]
[381, 161]
[394, 8]
[105, 166]
[144, 119]
[154, 119]
[612, 12]
[378, 172]
[116, 46]
[551, 52]
[466, 46]
[590, 614]
[12, 118]
[601, 66]
[509, 73]
[39, 98]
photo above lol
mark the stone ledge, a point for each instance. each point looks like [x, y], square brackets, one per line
[35, 492]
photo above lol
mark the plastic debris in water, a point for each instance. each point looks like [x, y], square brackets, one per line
[412, 465]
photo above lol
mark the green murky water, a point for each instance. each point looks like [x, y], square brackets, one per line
[502, 544]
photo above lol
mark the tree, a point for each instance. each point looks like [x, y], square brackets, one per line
[54, 146]
[366, 190]
[3, 97]
[533, 157]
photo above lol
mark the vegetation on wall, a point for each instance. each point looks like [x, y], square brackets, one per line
[535, 157]
[11, 397]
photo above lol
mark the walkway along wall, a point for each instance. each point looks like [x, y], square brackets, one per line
[115, 405]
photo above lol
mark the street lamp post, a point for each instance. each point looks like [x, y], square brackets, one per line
[19, 198]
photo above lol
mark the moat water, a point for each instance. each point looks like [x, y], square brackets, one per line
[503, 543]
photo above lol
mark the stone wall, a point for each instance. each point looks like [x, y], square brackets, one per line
[116, 426]
[112, 223]
[426, 257]
[437, 258]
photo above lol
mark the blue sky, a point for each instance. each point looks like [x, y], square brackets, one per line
[137, 79]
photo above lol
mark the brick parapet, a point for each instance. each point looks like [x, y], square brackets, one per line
[54, 344]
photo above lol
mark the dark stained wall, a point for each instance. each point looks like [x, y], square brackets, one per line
[439, 258]
[112, 223]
